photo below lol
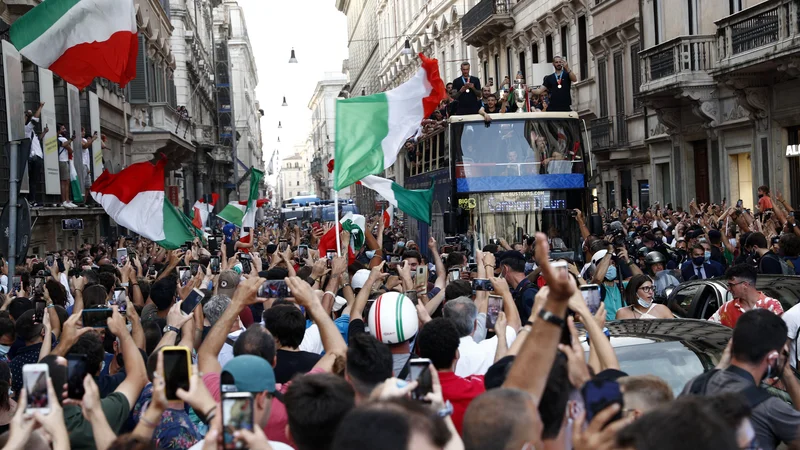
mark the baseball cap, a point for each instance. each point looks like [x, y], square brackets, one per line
[228, 230]
[598, 255]
[228, 280]
[250, 373]
[339, 302]
[26, 327]
[359, 279]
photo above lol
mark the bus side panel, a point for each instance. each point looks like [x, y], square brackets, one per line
[420, 231]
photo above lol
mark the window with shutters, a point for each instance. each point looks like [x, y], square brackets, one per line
[636, 76]
[160, 94]
[583, 51]
[151, 81]
[602, 88]
[137, 88]
[548, 43]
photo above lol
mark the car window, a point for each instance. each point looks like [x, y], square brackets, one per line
[682, 298]
[673, 362]
[708, 300]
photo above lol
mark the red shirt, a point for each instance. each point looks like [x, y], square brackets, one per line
[730, 312]
[460, 392]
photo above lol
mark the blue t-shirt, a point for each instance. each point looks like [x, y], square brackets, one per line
[612, 301]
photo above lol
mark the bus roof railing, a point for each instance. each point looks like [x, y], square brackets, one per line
[516, 116]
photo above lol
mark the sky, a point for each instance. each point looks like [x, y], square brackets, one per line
[318, 33]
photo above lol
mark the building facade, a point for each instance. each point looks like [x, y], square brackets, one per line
[323, 133]
[293, 179]
[362, 64]
[719, 87]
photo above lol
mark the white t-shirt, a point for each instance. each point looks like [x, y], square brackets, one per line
[312, 341]
[85, 153]
[476, 358]
[4, 284]
[792, 319]
[36, 146]
[226, 353]
[63, 154]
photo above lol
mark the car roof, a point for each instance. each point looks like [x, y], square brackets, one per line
[703, 334]
[784, 288]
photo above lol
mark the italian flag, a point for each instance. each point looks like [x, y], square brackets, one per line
[80, 39]
[74, 183]
[415, 203]
[234, 211]
[370, 130]
[249, 218]
[202, 211]
[355, 224]
[388, 216]
[135, 199]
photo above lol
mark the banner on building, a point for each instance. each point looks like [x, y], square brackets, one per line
[50, 145]
[74, 107]
[97, 147]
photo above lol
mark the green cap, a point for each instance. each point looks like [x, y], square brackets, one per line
[251, 374]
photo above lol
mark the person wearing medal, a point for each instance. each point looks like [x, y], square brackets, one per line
[468, 92]
[557, 85]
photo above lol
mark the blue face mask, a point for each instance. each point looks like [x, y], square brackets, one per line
[401, 244]
[4, 349]
[370, 253]
[611, 274]
[707, 255]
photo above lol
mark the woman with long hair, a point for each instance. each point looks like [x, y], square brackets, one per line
[639, 296]
[8, 407]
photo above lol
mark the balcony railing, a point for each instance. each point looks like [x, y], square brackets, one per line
[684, 54]
[763, 25]
[485, 20]
[609, 132]
[430, 154]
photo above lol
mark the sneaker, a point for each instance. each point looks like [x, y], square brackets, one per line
[69, 204]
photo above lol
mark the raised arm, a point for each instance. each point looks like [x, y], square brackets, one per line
[375, 274]
[441, 272]
[135, 371]
[332, 340]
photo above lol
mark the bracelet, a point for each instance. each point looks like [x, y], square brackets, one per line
[488, 265]
[549, 317]
[147, 422]
[345, 285]
[331, 294]
[528, 323]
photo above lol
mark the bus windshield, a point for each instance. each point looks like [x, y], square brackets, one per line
[540, 154]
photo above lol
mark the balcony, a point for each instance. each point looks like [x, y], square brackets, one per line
[683, 61]
[609, 132]
[486, 20]
[18, 7]
[159, 129]
[758, 36]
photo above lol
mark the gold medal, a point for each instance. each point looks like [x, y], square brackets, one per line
[559, 86]
[467, 91]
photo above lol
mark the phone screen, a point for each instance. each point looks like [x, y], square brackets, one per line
[214, 264]
[419, 370]
[16, 283]
[495, 306]
[591, 295]
[184, 274]
[176, 371]
[35, 380]
[453, 275]
[122, 256]
[237, 414]
[330, 254]
[96, 318]
[76, 372]
[274, 289]
[191, 302]
[283, 245]
[121, 300]
[38, 314]
[193, 267]
[302, 252]
[479, 284]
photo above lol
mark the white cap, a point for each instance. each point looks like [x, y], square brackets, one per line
[599, 255]
[359, 279]
[339, 302]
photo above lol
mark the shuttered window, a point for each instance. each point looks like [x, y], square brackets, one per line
[138, 86]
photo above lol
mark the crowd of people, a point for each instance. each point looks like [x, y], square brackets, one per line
[392, 345]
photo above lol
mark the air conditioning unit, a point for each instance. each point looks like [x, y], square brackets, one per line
[201, 63]
[188, 35]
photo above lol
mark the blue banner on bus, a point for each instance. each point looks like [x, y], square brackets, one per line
[520, 183]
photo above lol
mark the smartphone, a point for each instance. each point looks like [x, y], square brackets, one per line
[315, 226]
[473, 267]
[237, 414]
[122, 256]
[302, 252]
[282, 245]
[245, 259]
[34, 377]
[193, 265]
[96, 318]
[274, 289]
[50, 259]
[271, 248]
[184, 274]
[422, 279]
[394, 259]
[739, 204]
[482, 284]
[558, 264]
[330, 254]
[495, 306]
[38, 284]
[453, 274]
[76, 372]
[38, 313]
[177, 370]
[192, 300]
[591, 295]
[214, 264]
[16, 284]
[152, 272]
[599, 395]
[419, 371]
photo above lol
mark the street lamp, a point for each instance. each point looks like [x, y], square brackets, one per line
[284, 101]
[407, 49]
[279, 125]
[292, 59]
[279, 138]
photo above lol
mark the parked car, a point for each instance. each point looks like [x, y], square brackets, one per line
[675, 350]
[700, 299]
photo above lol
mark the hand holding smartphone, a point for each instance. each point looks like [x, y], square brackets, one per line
[177, 370]
[237, 414]
[419, 371]
[34, 377]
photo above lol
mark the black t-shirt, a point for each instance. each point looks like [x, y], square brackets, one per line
[770, 264]
[468, 102]
[291, 363]
[230, 248]
[560, 99]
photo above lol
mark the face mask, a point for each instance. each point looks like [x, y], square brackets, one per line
[637, 241]
[370, 253]
[707, 255]
[4, 349]
[733, 242]
[643, 303]
[698, 261]
[401, 244]
[631, 233]
[611, 274]
[630, 211]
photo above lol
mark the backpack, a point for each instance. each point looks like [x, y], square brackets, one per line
[753, 394]
[785, 269]
[794, 264]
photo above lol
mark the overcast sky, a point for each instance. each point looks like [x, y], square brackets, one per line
[318, 33]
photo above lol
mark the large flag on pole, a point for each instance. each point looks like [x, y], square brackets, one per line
[202, 210]
[135, 199]
[353, 223]
[370, 130]
[415, 203]
[249, 218]
[234, 211]
[80, 39]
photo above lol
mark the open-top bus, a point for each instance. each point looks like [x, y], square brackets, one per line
[520, 173]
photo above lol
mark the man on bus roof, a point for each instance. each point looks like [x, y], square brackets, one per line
[558, 85]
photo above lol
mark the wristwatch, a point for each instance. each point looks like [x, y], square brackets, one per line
[447, 409]
[547, 316]
[169, 328]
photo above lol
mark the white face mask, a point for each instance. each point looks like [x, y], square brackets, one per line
[370, 253]
[733, 242]
[643, 303]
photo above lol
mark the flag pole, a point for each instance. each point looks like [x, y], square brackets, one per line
[336, 215]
